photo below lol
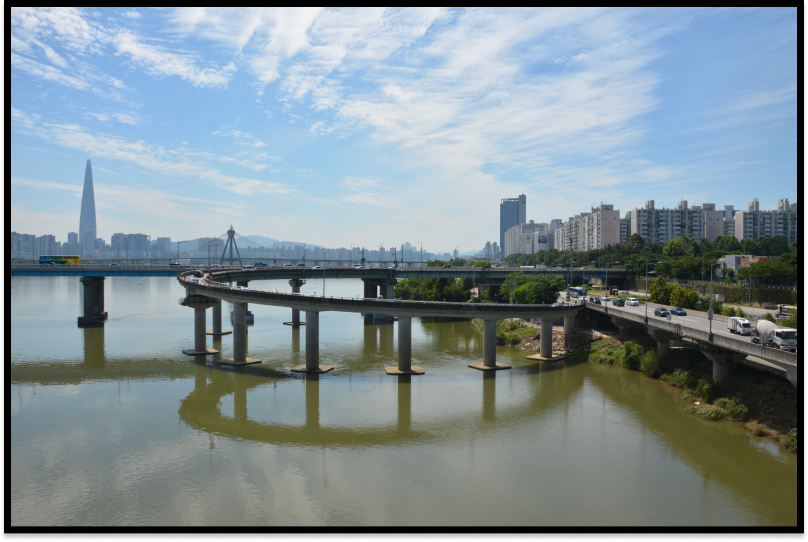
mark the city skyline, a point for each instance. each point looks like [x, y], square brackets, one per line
[406, 121]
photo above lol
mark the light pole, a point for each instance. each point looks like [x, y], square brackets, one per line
[710, 314]
[324, 256]
[350, 258]
[646, 288]
[606, 287]
[421, 257]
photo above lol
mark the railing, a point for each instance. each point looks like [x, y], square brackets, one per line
[214, 284]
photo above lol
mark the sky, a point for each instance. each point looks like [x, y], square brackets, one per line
[371, 126]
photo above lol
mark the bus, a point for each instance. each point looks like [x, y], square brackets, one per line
[578, 293]
[60, 260]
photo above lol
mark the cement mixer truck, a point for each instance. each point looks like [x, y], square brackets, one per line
[770, 334]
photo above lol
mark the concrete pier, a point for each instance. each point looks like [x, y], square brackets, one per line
[200, 304]
[404, 351]
[312, 347]
[546, 343]
[387, 291]
[217, 320]
[295, 284]
[489, 349]
[663, 339]
[94, 314]
[240, 337]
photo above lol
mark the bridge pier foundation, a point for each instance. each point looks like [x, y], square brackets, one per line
[404, 350]
[387, 291]
[217, 320]
[240, 337]
[200, 304]
[312, 347]
[489, 349]
[295, 284]
[94, 314]
[663, 339]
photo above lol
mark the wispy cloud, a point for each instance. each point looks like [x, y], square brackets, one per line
[140, 153]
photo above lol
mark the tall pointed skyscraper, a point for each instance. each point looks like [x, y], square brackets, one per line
[87, 231]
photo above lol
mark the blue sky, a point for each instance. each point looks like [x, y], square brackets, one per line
[365, 126]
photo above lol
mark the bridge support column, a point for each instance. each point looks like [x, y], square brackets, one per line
[217, 320]
[722, 362]
[404, 350]
[94, 314]
[200, 304]
[387, 291]
[240, 337]
[295, 284]
[312, 346]
[489, 349]
[663, 339]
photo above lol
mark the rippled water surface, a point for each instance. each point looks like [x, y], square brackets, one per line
[115, 426]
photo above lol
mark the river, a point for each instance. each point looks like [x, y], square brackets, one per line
[114, 426]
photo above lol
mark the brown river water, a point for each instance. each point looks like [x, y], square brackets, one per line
[114, 426]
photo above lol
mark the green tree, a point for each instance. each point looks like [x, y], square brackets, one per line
[772, 246]
[436, 263]
[481, 263]
[793, 319]
[650, 363]
[727, 244]
[635, 244]
[680, 246]
[660, 291]
[750, 246]
[771, 271]
[684, 298]
[539, 290]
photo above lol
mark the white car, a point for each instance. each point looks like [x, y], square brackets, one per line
[624, 292]
[317, 267]
[632, 302]
[605, 298]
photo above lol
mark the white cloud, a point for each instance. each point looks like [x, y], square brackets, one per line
[185, 162]
[360, 183]
[370, 198]
[132, 14]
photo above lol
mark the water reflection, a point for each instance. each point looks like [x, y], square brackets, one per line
[94, 356]
[489, 395]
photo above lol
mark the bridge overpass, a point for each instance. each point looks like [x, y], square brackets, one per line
[719, 346]
[210, 290]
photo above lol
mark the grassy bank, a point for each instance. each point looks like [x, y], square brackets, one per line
[767, 405]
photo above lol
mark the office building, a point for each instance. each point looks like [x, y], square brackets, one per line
[87, 229]
[512, 211]
[754, 223]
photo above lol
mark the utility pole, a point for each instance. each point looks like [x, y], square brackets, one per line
[421, 257]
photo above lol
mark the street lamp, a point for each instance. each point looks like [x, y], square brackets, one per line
[324, 256]
[646, 288]
[710, 314]
[350, 258]
[421, 257]
[606, 287]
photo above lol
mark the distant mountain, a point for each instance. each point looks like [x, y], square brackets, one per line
[269, 242]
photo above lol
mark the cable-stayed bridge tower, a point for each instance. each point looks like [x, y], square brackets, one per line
[231, 244]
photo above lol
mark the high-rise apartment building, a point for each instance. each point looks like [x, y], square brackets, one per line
[512, 211]
[164, 244]
[46, 245]
[525, 239]
[87, 229]
[661, 225]
[589, 231]
[754, 223]
[625, 228]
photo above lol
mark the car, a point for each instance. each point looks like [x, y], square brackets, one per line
[380, 297]
[446, 266]
[624, 292]
[678, 311]
[557, 305]
[317, 267]
[391, 267]
[198, 273]
[195, 280]
[605, 298]
[216, 266]
[300, 265]
[260, 264]
[241, 288]
[595, 300]
[661, 311]
[632, 302]
[287, 265]
[618, 302]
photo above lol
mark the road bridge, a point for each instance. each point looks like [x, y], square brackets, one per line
[719, 346]
[202, 292]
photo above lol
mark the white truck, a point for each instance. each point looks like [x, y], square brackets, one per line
[181, 261]
[770, 334]
[739, 325]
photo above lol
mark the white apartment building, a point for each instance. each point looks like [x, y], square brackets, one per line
[625, 228]
[589, 231]
[525, 238]
[754, 223]
[661, 225]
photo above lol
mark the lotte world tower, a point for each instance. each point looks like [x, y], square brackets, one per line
[87, 230]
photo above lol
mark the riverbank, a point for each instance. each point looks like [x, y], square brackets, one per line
[767, 405]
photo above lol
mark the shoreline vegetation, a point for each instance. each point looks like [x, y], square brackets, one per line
[767, 405]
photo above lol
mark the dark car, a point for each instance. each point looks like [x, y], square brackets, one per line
[445, 266]
[301, 265]
[618, 302]
[198, 273]
[678, 311]
[661, 311]
[595, 300]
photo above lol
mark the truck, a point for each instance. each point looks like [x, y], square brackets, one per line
[770, 334]
[181, 261]
[739, 325]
